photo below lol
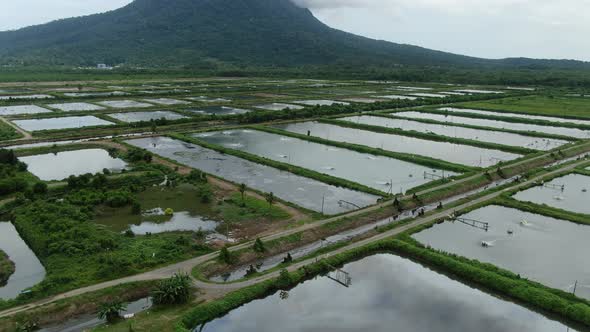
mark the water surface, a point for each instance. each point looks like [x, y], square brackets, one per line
[572, 132]
[455, 153]
[59, 166]
[547, 250]
[218, 110]
[571, 193]
[131, 117]
[22, 109]
[302, 191]
[61, 123]
[28, 269]
[75, 107]
[386, 174]
[490, 136]
[279, 107]
[388, 293]
[516, 115]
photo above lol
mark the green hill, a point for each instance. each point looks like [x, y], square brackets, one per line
[267, 33]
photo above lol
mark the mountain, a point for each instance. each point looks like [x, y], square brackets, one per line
[266, 33]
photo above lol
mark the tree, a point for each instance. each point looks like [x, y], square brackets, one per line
[40, 188]
[270, 198]
[259, 246]
[243, 190]
[284, 280]
[111, 311]
[225, 255]
[175, 290]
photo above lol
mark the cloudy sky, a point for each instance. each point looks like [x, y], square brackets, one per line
[484, 28]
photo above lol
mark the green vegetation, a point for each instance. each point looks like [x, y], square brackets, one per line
[421, 160]
[549, 105]
[14, 177]
[111, 311]
[77, 252]
[6, 268]
[7, 132]
[175, 290]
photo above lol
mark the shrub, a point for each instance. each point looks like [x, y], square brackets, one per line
[175, 290]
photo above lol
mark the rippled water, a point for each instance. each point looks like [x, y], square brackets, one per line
[456, 153]
[386, 174]
[61, 123]
[548, 250]
[572, 132]
[131, 117]
[491, 136]
[573, 196]
[516, 115]
[302, 191]
[22, 109]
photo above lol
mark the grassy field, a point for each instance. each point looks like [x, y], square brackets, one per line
[7, 132]
[543, 105]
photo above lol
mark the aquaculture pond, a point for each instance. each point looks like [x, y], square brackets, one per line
[69, 122]
[428, 95]
[547, 250]
[302, 191]
[131, 117]
[456, 153]
[278, 107]
[323, 102]
[491, 136]
[96, 94]
[76, 107]
[188, 214]
[22, 109]
[364, 100]
[382, 173]
[516, 115]
[218, 110]
[59, 166]
[571, 132]
[571, 193]
[388, 293]
[20, 97]
[124, 104]
[397, 97]
[28, 269]
[166, 101]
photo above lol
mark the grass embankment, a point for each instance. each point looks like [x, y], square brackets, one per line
[339, 182]
[7, 132]
[499, 117]
[416, 159]
[6, 268]
[287, 243]
[62, 310]
[544, 210]
[470, 126]
[574, 108]
[483, 275]
[430, 136]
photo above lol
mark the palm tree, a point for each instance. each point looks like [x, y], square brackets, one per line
[111, 311]
[175, 290]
